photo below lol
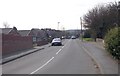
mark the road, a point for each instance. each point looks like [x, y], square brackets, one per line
[71, 58]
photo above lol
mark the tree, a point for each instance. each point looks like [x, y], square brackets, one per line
[101, 19]
[6, 25]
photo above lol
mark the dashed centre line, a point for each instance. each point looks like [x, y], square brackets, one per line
[58, 51]
[42, 65]
[63, 47]
[48, 61]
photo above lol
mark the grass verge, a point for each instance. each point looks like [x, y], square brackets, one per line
[87, 39]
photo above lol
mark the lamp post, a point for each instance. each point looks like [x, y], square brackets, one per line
[58, 26]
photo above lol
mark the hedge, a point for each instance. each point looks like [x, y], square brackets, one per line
[112, 42]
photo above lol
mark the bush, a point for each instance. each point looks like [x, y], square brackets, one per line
[112, 40]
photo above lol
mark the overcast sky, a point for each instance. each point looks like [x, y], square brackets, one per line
[27, 14]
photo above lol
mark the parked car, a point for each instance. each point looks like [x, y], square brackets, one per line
[56, 41]
[68, 37]
[63, 37]
[73, 37]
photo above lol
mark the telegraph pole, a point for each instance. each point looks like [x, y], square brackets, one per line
[118, 14]
[81, 29]
[58, 26]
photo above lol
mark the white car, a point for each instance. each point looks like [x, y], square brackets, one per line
[56, 41]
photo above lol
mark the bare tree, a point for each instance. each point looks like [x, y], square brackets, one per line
[5, 24]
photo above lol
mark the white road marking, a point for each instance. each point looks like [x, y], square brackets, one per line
[42, 66]
[58, 51]
[48, 61]
[63, 47]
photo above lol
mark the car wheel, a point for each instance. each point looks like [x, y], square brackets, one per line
[52, 44]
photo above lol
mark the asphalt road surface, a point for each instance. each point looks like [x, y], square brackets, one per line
[70, 58]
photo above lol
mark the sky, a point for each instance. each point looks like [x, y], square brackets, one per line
[28, 14]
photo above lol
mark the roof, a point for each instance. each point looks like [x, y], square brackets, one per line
[6, 30]
[24, 32]
[35, 31]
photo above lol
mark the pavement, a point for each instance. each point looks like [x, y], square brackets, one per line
[17, 55]
[107, 64]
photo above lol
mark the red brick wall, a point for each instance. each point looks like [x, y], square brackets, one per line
[12, 43]
[40, 43]
[0, 45]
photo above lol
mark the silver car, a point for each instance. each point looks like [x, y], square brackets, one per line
[56, 41]
[73, 37]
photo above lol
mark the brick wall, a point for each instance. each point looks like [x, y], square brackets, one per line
[12, 43]
[0, 46]
[43, 42]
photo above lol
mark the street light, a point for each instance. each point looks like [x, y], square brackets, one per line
[58, 25]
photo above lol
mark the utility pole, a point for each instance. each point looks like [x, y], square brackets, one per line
[63, 30]
[81, 29]
[58, 26]
[118, 13]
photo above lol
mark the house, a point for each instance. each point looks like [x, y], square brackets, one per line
[52, 33]
[35, 35]
[10, 31]
[13, 42]
[38, 35]
[24, 32]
